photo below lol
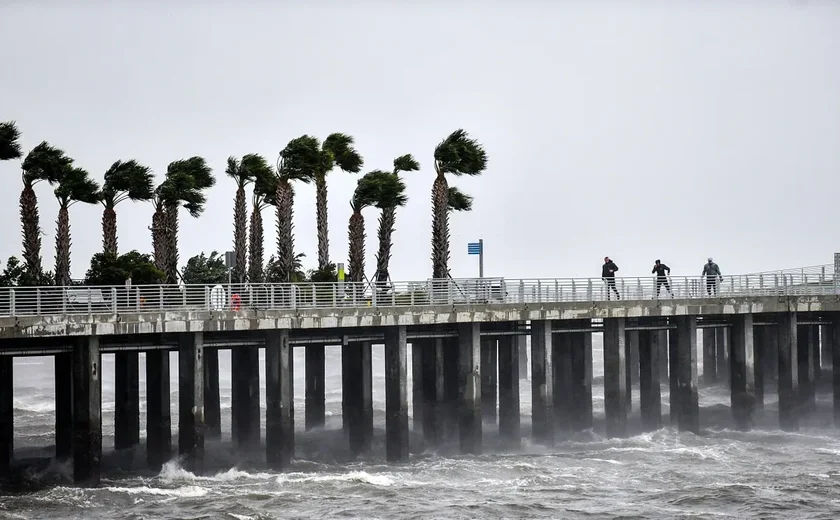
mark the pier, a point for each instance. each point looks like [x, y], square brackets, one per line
[465, 338]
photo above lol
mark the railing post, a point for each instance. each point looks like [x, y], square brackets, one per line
[90, 306]
[539, 292]
[373, 294]
[335, 294]
[37, 301]
[12, 303]
[521, 291]
[639, 288]
[589, 290]
[160, 297]
[114, 300]
[574, 291]
[412, 295]
[184, 296]
[556, 290]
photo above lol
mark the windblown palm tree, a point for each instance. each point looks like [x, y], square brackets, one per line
[74, 185]
[388, 201]
[365, 195]
[298, 162]
[265, 189]
[9, 141]
[238, 171]
[42, 163]
[458, 154]
[337, 150]
[123, 180]
[184, 185]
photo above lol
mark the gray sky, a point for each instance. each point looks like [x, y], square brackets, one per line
[639, 130]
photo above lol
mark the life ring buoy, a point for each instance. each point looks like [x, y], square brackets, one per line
[235, 302]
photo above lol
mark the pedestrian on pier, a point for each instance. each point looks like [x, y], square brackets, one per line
[661, 271]
[712, 273]
[608, 275]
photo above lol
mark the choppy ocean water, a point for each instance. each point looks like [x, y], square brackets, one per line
[721, 473]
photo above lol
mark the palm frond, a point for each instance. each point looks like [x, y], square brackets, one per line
[366, 192]
[459, 154]
[128, 179]
[9, 141]
[239, 172]
[300, 159]
[343, 154]
[391, 191]
[406, 163]
[45, 163]
[458, 200]
[75, 185]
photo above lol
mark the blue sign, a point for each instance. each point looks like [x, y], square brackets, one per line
[474, 248]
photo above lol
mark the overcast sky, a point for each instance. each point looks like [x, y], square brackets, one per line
[639, 130]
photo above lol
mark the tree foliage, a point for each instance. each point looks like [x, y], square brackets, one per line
[205, 270]
[127, 180]
[459, 201]
[109, 269]
[9, 141]
[17, 274]
[459, 154]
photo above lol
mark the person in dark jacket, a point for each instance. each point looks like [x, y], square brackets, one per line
[608, 274]
[661, 271]
[712, 273]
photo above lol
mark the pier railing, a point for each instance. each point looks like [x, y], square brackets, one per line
[46, 301]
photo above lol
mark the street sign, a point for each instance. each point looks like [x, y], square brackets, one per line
[474, 248]
[477, 248]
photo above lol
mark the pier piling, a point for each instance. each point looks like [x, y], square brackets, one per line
[158, 414]
[279, 396]
[191, 400]
[650, 398]
[509, 423]
[87, 411]
[688, 414]
[489, 378]
[433, 396]
[742, 371]
[396, 395]
[615, 376]
[789, 396]
[64, 405]
[542, 382]
[126, 400]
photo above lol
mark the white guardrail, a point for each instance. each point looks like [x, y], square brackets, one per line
[46, 301]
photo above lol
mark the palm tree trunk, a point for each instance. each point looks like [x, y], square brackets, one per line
[440, 228]
[256, 247]
[109, 231]
[240, 238]
[158, 240]
[170, 230]
[62, 247]
[356, 254]
[285, 238]
[386, 230]
[30, 222]
[321, 214]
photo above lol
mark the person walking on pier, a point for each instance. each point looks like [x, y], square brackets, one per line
[608, 275]
[661, 271]
[712, 273]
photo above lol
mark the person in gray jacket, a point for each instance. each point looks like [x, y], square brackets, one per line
[712, 273]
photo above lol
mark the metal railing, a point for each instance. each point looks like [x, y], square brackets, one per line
[58, 301]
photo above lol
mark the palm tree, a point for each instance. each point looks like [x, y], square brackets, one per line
[366, 194]
[42, 163]
[74, 185]
[297, 162]
[184, 184]
[9, 141]
[389, 200]
[123, 180]
[265, 189]
[243, 176]
[337, 150]
[458, 154]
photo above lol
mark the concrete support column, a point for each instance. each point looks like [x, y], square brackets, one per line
[7, 414]
[742, 370]
[469, 387]
[816, 360]
[489, 378]
[126, 399]
[581, 346]
[760, 348]
[826, 346]
[834, 344]
[542, 384]
[561, 352]
[650, 397]
[687, 401]
[631, 343]
[191, 400]
[615, 376]
[788, 372]
[279, 395]
[522, 346]
[212, 399]
[315, 382]
[245, 397]
[158, 415]
[63, 405]
[450, 389]
[433, 396]
[87, 411]
[771, 342]
[709, 357]
[358, 395]
[805, 352]
[722, 353]
[663, 353]
[396, 395]
[509, 426]
[416, 386]
[673, 386]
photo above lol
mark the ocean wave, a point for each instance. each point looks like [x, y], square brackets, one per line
[362, 477]
[181, 492]
[34, 406]
[173, 472]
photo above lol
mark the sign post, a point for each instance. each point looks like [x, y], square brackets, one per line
[340, 276]
[477, 248]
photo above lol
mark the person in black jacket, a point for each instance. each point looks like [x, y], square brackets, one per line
[661, 271]
[608, 274]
